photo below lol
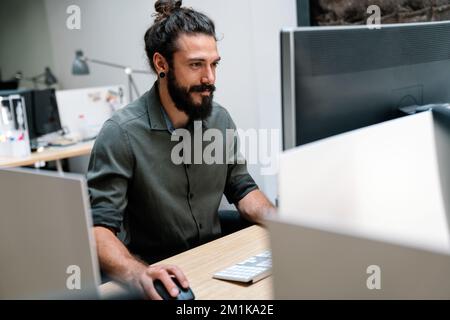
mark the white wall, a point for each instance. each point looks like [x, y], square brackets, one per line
[249, 74]
[268, 19]
[111, 30]
[23, 25]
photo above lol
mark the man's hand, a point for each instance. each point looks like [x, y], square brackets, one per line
[163, 273]
[118, 263]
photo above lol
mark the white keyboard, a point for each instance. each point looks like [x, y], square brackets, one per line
[251, 270]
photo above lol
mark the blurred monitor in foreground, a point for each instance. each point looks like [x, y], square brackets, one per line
[47, 248]
[377, 196]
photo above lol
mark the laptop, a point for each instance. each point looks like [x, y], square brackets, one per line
[47, 246]
[368, 212]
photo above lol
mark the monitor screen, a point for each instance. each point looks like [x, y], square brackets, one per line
[41, 111]
[45, 112]
[337, 79]
[9, 85]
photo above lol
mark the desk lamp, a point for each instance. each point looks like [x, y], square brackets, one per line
[47, 78]
[80, 67]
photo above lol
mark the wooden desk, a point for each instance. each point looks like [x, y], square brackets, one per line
[200, 263]
[49, 154]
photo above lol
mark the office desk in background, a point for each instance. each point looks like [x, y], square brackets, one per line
[199, 265]
[49, 154]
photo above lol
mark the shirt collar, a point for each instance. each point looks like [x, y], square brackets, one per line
[169, 124]
[154, 106]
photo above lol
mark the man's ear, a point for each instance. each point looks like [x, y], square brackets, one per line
[160, 63]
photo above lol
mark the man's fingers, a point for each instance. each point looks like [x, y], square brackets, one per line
[146, 282]
[168, 283]
[164, 274]
[174, 270]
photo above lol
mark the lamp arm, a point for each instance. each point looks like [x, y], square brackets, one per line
[114, 65]
[35, 78]
[109, 64]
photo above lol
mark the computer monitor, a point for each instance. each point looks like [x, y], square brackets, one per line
[336, 79]
[377, 196]
[46, 114]
[390, 180]
[48, 247]
[9, 84]
[41, 110]
[331, 263]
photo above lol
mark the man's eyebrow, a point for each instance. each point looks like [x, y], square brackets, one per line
[202, 59]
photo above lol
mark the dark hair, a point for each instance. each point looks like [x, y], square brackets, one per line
[171, 21]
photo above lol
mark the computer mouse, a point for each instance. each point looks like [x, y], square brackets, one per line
[184, 294]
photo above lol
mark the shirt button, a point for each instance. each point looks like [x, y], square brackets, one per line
[191, 195]
[200, 226]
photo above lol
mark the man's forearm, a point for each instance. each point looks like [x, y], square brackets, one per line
[115, 259]
[117, 262]
[255, 206]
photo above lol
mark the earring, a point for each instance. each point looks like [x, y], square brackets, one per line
[162, 74]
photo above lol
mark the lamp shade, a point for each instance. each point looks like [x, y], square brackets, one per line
[50, 78]
[80, 66]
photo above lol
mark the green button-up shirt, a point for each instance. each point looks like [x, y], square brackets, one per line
[164, 208]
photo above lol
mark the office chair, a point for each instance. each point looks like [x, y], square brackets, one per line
[231, 221]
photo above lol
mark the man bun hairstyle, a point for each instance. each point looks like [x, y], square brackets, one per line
[171, 21]
[165, 7]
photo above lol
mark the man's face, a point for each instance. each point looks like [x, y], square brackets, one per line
[191, 79]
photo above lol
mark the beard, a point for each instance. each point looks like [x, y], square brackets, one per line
[183, 100]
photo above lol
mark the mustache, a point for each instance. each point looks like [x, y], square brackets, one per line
[203, 87]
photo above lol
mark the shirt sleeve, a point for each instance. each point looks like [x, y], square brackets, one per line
[110, 170]
[239, 182]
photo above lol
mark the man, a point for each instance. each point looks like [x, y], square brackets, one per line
[164, 207]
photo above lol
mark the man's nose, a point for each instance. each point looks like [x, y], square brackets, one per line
[209, 77]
